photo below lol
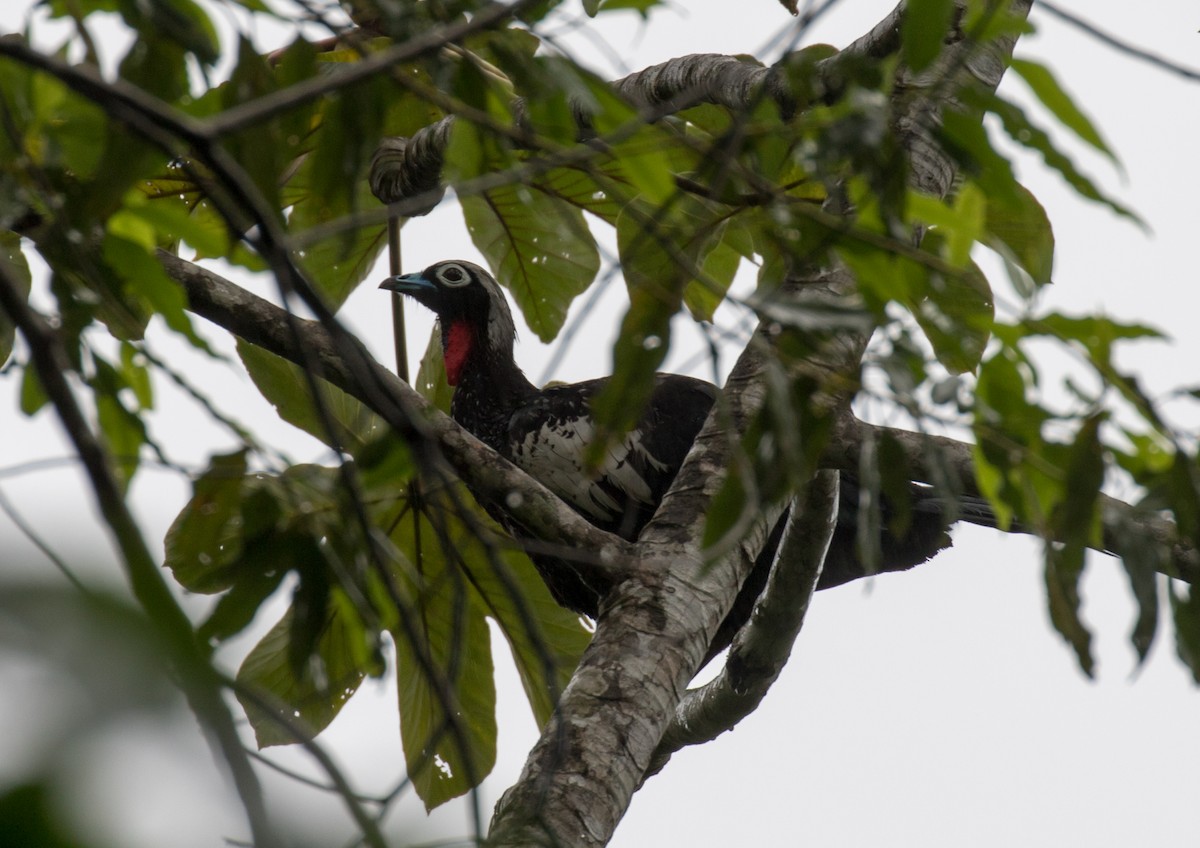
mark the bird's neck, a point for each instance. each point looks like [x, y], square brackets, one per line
[488, 385]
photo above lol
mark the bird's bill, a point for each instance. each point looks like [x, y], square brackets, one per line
[408, 284]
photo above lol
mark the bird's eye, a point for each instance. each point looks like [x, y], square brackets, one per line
[453, 275]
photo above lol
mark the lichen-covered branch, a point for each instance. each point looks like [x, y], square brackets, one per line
[760, 651]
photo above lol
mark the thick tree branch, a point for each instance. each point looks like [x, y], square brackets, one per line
[651, 635]
[933, 457]
[761, 649]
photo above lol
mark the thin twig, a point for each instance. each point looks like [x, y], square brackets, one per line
[1118, 44]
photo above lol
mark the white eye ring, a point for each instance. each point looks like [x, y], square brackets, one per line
[453, 275]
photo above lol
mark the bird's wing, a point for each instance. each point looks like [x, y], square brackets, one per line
[550, 436]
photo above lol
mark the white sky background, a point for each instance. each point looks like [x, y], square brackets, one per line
[933, 708]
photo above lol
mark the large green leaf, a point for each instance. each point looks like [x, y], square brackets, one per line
[956, 315]
[445, 681]
[129, 248]
[1185, 609]
[205, 538]
[1019, 229]
[456, 578]
[284, 384]
[538, 246]
[308, 698]
[1075, 522]
[546, 640]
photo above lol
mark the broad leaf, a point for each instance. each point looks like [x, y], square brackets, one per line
[204, 538]
[285, 385]
[1019, 229]
[444, 674]
[538, 246]
[303, 700]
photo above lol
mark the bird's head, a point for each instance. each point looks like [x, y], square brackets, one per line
[469, 305]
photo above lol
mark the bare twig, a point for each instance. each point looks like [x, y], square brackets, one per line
[1117, 43]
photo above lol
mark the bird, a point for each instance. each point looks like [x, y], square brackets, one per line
[546, 432]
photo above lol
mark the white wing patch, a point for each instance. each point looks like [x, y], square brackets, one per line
[554, 455]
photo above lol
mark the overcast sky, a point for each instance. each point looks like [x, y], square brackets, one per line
[934, 708]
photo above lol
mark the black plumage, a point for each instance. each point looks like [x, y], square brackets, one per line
[545, 432]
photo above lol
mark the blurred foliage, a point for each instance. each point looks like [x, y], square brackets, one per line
[122, 673]
[371, 553]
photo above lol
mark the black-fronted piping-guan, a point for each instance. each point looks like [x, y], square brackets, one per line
[545, 433]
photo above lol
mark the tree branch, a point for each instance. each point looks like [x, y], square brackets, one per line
[761, 649]
[1126, 527]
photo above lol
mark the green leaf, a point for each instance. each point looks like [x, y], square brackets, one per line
[1186, 613]
[33, 396]
[1008, 428]
[330, 184]
[926, 24]
[136, 376]
[648, 161]
[1096, 334]
[254, 583]
[260, 149]
[204, 539]
[1076, 523]
[537, 246]
[17, 268]
[124, 434]
[1062, 594]
[179, 21]
[1025, 132]
[337, 264]
[129, 248]
[956, 315]
[703, 296]
[1019, 229]
[173, 221]
[1043, 84]
[308, 698]
[284, 384]
[431, 380]
[1143, 559]
[546, 640]
[445, 681]
[584, 189]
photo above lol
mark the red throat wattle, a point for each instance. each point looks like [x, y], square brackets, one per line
[458, 347]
